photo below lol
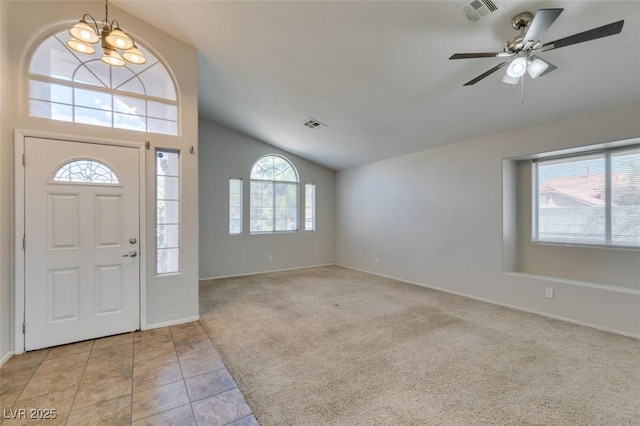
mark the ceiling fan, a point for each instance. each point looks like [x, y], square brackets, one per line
[522, 49]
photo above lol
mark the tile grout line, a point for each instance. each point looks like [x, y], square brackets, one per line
[84, 371]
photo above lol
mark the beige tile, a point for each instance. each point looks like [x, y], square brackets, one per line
[116, 412]
[200, 364]
[55, 405]
[209, 384]
[188, 337]
[157, 400]
[8, 399]
[180, 416]
[189, 349]
[99, 369]
[94, 392]
[221, 409]
[71, 349]
[185, 327]
[12, 386]
[111, 352]
[63, 365]
[51, 383]
[152, 377]
[152, 345]
[156, 334]
[27, 357]
[18, 372]
[119, 339]
[155, 358]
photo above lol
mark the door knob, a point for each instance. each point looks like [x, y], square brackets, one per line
[132, 253]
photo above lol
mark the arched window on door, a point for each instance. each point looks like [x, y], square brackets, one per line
[67, 86]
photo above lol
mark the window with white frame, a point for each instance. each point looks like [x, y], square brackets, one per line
[167, 211]
[310, 207]
[67, 86]
[273, 196]
[235, 206]
[588, 199]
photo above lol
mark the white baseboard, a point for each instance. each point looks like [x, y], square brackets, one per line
[6, 358]
[170, 323]
[506, 305]
[267, 272]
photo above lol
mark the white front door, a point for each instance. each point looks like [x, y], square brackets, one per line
[82, 269]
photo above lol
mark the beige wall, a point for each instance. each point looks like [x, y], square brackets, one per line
[25, 24]
[446, 218]
[226, 154]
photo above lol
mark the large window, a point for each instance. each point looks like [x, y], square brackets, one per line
[591, 199]
[274, 195]
[167, 212]
[67, 86]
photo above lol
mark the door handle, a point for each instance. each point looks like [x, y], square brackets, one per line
[132, 253]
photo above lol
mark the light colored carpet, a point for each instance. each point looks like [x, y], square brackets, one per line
[334, 346]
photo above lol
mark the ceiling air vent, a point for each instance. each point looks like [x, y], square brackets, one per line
[475, 10]
[312, 123]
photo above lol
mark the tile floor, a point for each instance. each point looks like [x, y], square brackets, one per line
[166, 376]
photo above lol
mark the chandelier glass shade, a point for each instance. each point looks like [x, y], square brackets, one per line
[533, 65]
[118, 47]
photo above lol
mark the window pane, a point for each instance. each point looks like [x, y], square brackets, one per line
[167, 163]
[168, 187]
[157, 80]
[53, 59]
[130, 122]
[164, 111]
[86, 171]
[162, 126]
[50, 110]
[50, 92]
[286, 207]
[625, 198]
[95, 117]
[310, 207]
[167, 211]
[168, 260]
[92, 99]
[235, 206]
[168, 236]
[129, 105]
[571, 200]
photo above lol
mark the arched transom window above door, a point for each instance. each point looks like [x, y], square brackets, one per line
[67, 86]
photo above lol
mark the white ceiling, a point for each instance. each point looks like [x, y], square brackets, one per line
[378, 74]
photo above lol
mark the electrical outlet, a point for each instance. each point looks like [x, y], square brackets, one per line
[548, 293]
[375, 259]
[270, 258]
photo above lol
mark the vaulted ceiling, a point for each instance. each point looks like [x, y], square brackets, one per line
[378, 75]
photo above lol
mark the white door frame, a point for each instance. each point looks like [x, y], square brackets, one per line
[19, 264]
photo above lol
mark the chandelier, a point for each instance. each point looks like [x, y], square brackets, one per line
[112, 38]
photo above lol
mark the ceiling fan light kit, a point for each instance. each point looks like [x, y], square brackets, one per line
[522, 49]
[112, 38]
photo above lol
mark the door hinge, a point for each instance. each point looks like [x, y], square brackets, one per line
[24, 327]
[24, 243]
[24, 160]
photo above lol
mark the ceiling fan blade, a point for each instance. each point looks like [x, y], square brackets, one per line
[595, 33]
[486, 74]
[541, 22]
[481, 55]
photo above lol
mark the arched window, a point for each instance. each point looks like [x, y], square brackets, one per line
[86, 171]
[67, 86]
[274, 195]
